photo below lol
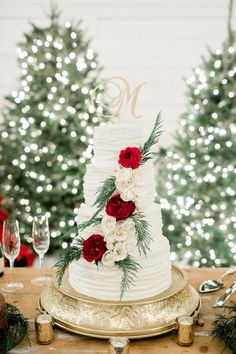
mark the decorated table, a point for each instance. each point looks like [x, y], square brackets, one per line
[27, 302]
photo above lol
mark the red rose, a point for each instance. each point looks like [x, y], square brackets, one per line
[118, 208]
[130, 157]
[94, 248]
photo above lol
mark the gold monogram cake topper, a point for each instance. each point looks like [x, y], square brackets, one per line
[116, 93]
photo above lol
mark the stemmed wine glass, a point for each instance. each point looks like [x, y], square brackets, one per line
[11, 249]
[41, 242]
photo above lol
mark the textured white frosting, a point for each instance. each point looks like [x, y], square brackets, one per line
[96, 174]
[104, 282]
[110, 139]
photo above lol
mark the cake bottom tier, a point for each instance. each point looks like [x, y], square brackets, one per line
[103, 282]
[133, 319]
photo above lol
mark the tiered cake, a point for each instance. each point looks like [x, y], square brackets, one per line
[116, 278]
[102, 280]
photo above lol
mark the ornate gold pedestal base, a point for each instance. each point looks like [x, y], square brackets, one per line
[133, 319]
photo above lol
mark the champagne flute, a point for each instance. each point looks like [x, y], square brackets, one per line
[41, 242]
[11, 249]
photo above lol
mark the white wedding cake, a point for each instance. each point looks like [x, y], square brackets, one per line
[136, 187]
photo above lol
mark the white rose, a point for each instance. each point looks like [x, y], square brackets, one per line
[128, 194]
[136, 177]
[122, 231]
[128, 227]
[123, 178]
[110, 246]
[131, 246]
[110, 240]
[108, 258]
[122, 185]
[110, 237]
[120, 251]
[123, 174]
[129, 187]
[118, 233]
[108, 224]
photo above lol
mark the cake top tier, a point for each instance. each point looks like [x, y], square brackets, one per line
[110, 139]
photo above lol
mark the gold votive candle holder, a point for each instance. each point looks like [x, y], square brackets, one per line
[185, 330]
[44, 328]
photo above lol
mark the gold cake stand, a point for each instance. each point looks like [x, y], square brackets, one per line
[133, 319]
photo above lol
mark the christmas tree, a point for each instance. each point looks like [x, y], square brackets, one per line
[197, 176]
[47, 132]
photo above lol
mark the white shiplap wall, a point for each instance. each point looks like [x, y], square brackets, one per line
[157, 41]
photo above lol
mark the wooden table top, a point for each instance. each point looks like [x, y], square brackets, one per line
[65, 342]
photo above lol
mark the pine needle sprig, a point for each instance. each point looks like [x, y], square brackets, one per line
[94, 220]
[142, 232]
[129, 267]
[224, 327]
[72, 230]
[104, 192]
[74, 253]
[71, 254]
[152, 140]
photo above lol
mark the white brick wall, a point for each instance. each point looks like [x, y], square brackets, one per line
[157, 41]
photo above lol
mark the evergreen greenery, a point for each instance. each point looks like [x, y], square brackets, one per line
[92, 221]
[129, 268]
[224, 327]
[104, 192]
[142, 232]
[73, 253]
[196, 177]
[146, 154]
[47, 134]
[17, 329]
